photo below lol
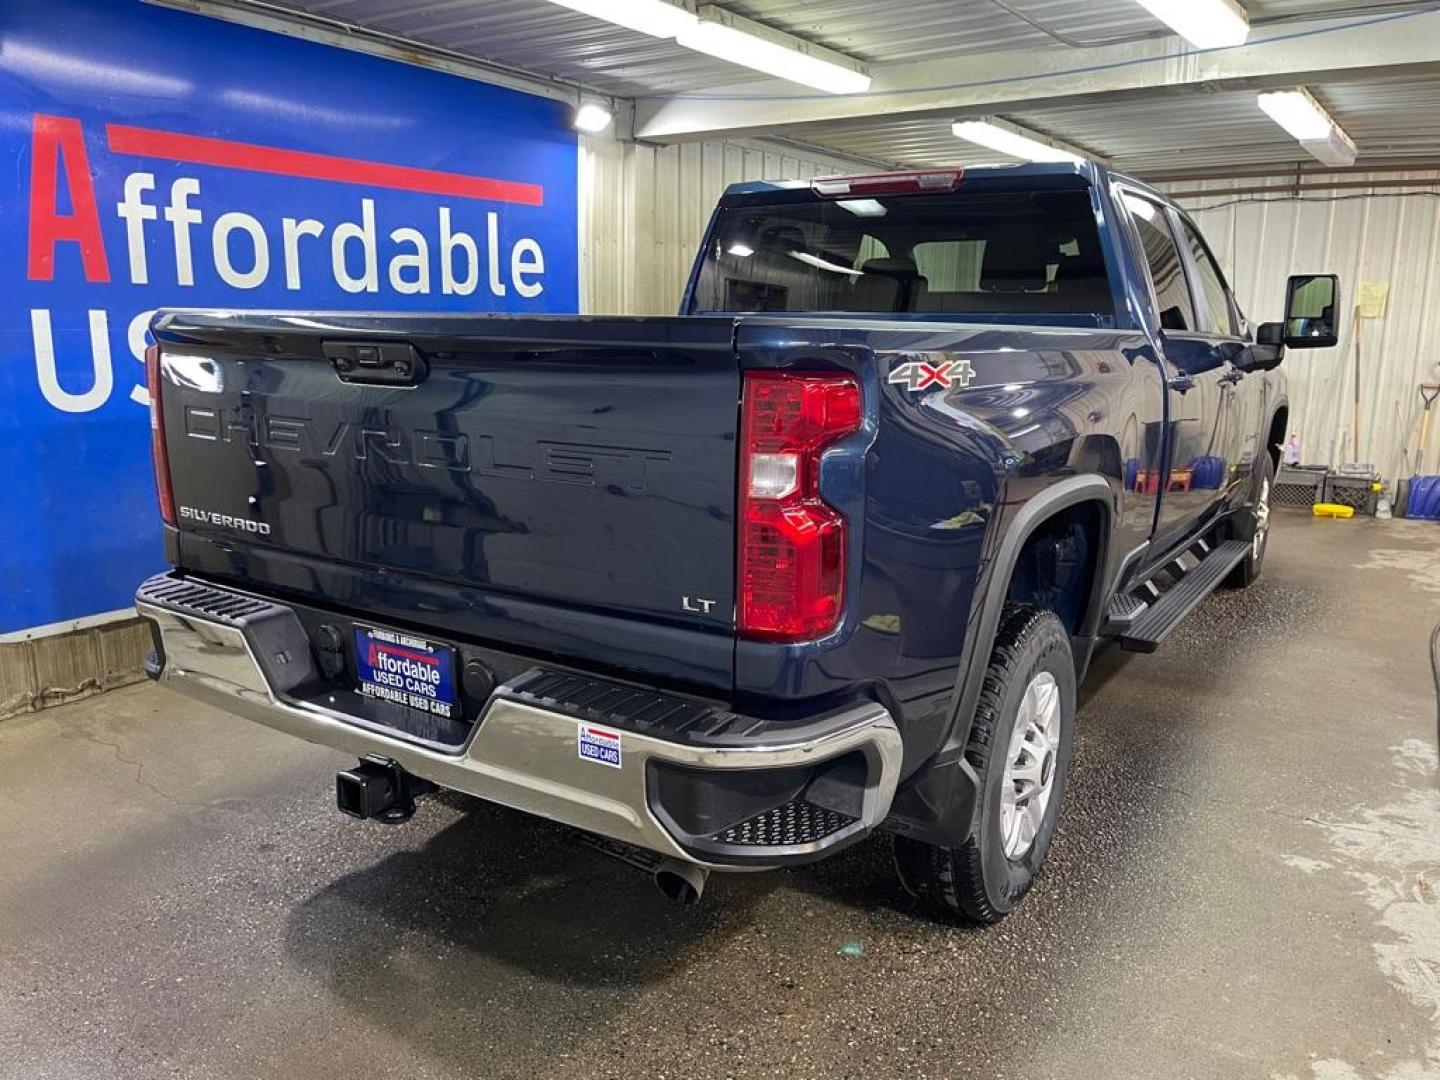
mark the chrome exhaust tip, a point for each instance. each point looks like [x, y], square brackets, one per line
[681, 882]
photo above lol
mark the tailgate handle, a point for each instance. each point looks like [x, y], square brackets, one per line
[388, 363]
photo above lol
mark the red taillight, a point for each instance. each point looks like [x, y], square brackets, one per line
[896, 183]
[157, 436]
[791, 542]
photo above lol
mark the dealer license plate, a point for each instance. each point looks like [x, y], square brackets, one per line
[406, 670]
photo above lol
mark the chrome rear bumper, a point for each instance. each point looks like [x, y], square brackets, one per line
[244, 654]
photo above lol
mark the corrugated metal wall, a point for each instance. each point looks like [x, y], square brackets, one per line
[643, 209]
[1390, 235]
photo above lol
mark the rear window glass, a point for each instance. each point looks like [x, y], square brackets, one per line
[993, 254]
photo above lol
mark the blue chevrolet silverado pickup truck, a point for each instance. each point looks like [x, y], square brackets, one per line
[827, 553]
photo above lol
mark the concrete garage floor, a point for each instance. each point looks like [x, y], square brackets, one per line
[1246, 883]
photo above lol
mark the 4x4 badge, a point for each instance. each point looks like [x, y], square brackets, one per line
[923, 374]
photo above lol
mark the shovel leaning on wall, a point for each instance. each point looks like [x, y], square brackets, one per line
[1423, 498]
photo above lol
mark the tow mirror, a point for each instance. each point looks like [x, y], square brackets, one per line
[1311, 312]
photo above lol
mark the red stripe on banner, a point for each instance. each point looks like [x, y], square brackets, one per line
[200, 150]
[400, 650]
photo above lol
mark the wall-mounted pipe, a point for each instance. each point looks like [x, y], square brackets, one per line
[1299, 190]
[1287, 172]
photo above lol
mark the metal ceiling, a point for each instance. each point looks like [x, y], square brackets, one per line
[1162, 131]
[897, 31]
[548, 40]
[1390, 120]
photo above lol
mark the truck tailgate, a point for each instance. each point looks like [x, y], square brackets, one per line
[573, 467]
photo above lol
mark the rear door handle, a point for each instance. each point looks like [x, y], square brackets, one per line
[1181, 383]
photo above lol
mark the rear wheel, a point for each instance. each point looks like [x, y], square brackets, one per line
[1020, 748]
[1253, 526]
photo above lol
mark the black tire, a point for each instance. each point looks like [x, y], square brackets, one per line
[1251, 520]
[977, 882]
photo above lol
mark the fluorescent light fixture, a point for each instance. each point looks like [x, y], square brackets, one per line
[722, 34]
[742, 251]
[727, 36]
[863, 207]
[1206, 24]
[1298, 113]
[1008, 140]
[592, 117]
[654, 17]
[1337, 149]
[1306, 120]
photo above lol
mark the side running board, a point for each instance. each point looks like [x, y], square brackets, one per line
[1152, 625]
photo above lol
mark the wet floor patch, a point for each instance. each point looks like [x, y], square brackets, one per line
[1422, 568]
[1392, 852]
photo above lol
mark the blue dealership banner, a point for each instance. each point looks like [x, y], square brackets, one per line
[157, 158]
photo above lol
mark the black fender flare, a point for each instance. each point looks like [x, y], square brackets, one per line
[937, 804]
[994, 585]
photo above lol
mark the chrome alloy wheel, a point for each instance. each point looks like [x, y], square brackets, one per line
[1262, 520]
[1030, 766]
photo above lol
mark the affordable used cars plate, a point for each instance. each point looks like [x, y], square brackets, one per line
[406, 670]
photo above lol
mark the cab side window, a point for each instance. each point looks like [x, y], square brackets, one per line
[1167, 270]
[1220, 316]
